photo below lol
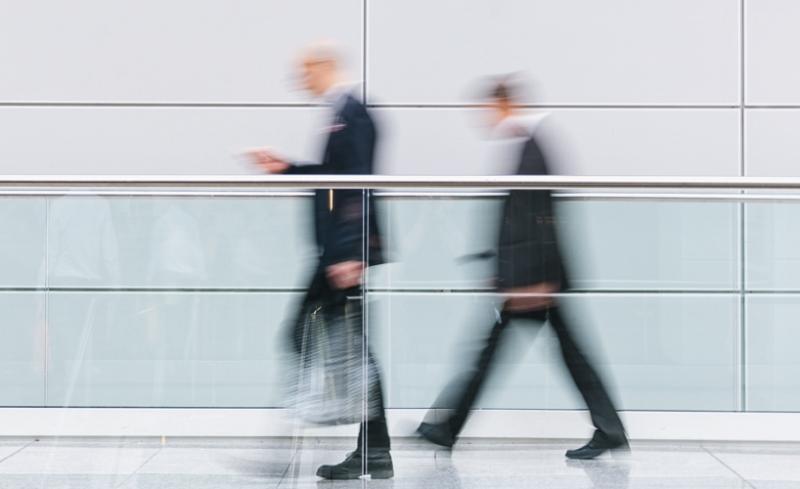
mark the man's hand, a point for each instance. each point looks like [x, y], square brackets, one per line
[268, 160]
[346, 274]
[531, 297]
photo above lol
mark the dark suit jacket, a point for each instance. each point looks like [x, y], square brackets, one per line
[528, 251]
[350, 150]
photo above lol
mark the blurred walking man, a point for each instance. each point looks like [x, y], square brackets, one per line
[340, 234]
[530, 271]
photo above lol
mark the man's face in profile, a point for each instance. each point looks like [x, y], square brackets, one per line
[495, 111]
[314, 74]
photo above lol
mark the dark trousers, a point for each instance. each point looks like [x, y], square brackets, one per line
[374, 431]
[463, 394]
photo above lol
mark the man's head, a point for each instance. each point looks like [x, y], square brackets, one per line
[501, 101]
[320, 68]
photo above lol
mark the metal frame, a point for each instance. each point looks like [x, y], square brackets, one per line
[67, 183]
[383, 194]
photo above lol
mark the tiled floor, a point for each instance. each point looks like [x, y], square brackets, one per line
[271, 463]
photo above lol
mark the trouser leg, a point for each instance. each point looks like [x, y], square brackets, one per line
[464, 392]
[603, 413]
[375, 430]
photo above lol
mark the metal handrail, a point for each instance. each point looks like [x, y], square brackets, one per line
[70, 182]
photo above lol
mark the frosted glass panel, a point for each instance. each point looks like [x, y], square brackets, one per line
[640, 245]
[173, 242]
[773, 246]
[22, 348]
[183, 301]
[773, 366]
[166, 349]
[614, 245]
[658, 352]
[22, 241]
[433, 241]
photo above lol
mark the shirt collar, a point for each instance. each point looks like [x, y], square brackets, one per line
[336, 95]
[517, 126]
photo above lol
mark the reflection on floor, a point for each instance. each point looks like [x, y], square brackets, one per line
[285, 463]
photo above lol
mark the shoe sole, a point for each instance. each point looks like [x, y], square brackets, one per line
[440, 443]
[617, 451]
[375, 474]
[385, 474]
[588, 456]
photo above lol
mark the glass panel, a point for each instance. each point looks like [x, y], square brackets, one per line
[183, 301]
[612, 245]
[659, 352]
[22, 349]
[220, 243]
[651, 245]
[773, 246]
[432, 241]
[773, 366]
[22, 241]
[22, 301]
[167, 349]
[772, 305]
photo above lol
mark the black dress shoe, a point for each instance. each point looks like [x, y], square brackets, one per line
[598, 445]
[438, 433]
[379, 466]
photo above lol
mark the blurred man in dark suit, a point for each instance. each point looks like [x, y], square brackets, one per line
[345, 247]
[530, 271]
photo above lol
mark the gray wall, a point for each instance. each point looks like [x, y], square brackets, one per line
[652, 88]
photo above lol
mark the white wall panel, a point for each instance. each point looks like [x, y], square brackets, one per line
[155, 51]
[423, 141]
[580, 142]
[772, 37]
[772, 146]
[150, 140]
[581, 51]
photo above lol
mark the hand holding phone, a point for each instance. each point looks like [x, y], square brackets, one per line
[268, 160]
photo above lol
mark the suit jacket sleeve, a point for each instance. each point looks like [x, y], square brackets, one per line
[305, 169]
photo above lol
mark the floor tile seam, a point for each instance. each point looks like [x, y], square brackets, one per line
[18, 450]
[731, 469]
[139, 468]
[297, 447]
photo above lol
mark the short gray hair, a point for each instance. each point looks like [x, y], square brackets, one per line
[324, 50]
